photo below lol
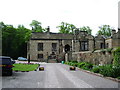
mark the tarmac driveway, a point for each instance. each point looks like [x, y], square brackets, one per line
[56, 75]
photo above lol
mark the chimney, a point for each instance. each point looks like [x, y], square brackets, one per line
[48, 29]
[119, 30]
[113, 31]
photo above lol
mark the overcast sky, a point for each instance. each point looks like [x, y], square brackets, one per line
[51, 13]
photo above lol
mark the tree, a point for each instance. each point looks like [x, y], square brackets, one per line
[105, 30]
[14, 40]
[66, 28]
[86, 28]
[36, 26]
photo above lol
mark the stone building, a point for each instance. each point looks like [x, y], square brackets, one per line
[54, 46]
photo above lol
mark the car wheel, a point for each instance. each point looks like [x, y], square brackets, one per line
[10, 73]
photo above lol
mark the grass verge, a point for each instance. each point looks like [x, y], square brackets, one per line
[25, 67]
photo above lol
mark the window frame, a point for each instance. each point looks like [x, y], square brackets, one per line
[40, 46]
[40, 56]
[84, 46]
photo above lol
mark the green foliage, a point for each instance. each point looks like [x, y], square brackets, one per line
[81, 64]
[36, 26]
[116, 55]
[86, 28]
[109, 50]
[70, 28]
[105, 30]
[85, 65]
[118, 77]
[105, 70]
[96, 69]
[66, 28]
[14, 40]
[110, 71]
[25, 67]
[74, 61]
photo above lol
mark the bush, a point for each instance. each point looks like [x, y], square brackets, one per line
[81, 64]
[74, 64]
[118, 77]
[109, 50]
[85, 65]
[106, 70]
[116, 55]
[110, 71]
[116, 71]
[66, 62]
[96, 69]
[74, 61]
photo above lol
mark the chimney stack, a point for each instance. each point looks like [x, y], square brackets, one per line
[48, 29]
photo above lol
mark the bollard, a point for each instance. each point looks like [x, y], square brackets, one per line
[73, 68]
[41, 68]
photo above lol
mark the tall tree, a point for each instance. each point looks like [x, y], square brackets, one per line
[105, 30]
[36, 26]
[86, 28]
[66, 28]
[14, 40]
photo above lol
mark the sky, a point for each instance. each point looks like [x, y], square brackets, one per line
[92, 13]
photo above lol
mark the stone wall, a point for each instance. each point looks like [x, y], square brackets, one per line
[96, 57]
[47, 47]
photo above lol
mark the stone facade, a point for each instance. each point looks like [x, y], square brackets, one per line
[97, 57]
[45, 46]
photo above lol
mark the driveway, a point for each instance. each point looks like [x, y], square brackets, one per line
[56, 75]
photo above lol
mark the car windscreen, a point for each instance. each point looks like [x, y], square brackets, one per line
[5, 61]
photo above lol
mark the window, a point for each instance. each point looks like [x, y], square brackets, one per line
[101, 45]
[40, 56]
[40, 46]
[84, 46]
[54, 46]
[107, 45]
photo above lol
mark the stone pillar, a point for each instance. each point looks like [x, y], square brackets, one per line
[66, 57]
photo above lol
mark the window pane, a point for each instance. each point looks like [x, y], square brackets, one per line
[84, 45]
[40, 46]
[40, 56]
[54, 46]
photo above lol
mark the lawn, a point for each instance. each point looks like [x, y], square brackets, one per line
[25, 67]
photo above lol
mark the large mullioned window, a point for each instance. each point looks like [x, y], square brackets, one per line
[84, 45]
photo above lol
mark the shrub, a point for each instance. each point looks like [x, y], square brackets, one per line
[96, 69]
[66, 62]
[74, 61]
[110, 71]
[74, 64]
[81, 64]
[85, 65]
[116, 71]
[106, 70]
[116, 55]
[118, 77]
[109, 50]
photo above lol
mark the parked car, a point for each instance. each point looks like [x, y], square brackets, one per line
[6, 64]
[13, 61]
[22, 58]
